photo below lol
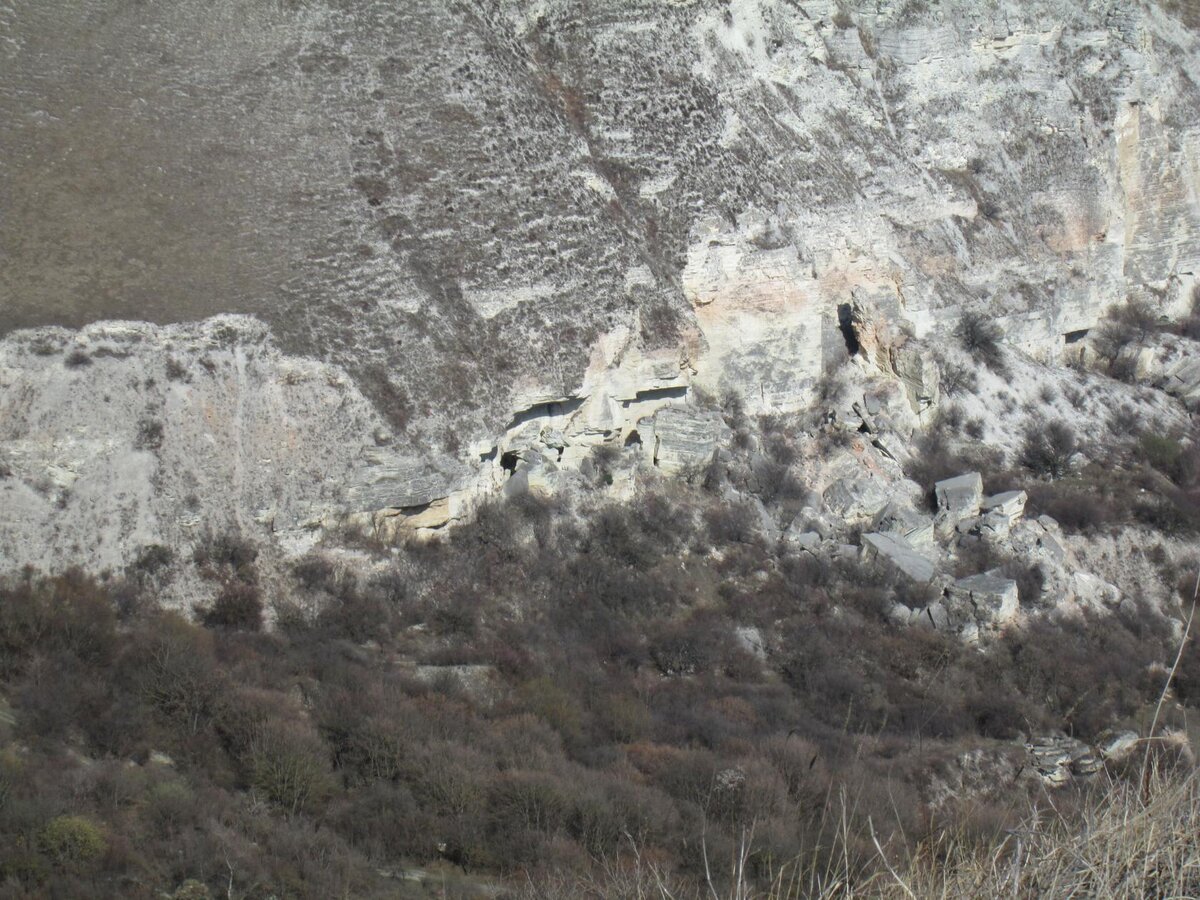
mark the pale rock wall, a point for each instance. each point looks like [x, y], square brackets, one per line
[123, 435]
[760, 312]
[456, 273]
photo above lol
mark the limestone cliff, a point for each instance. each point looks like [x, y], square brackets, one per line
[474, 237]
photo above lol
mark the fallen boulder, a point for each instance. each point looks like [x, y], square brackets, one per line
[960, 497]
[899, 553]
[905, 522]
[1010, 504]
[990, 598]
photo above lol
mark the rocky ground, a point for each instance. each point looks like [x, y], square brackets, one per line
[672, 379]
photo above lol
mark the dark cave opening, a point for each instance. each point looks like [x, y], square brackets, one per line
[846, 326]
[509, 460]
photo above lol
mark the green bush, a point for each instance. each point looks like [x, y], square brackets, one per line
[1164, 454]
[71, 840]
[192, 890]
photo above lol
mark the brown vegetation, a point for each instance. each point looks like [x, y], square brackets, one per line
[529, 698]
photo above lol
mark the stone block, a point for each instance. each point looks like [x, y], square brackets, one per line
[1010, 503]
[960, 497]
[992, 597]
[905, 522]
[899, 553]
[680, 437]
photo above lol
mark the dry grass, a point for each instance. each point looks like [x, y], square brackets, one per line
[1128, 839]
[1134, 840]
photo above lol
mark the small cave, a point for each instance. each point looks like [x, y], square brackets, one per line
[633, 439]
[545, 411]
[846, 326]
[1074, 337]
[509, 460]
[668, 393]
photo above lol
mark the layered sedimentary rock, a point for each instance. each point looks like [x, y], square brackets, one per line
[479, 240]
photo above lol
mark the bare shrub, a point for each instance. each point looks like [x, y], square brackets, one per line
[389, 398]
[957, 380]
[1127, 325]
[981, 337]
[237, 605]
[1075, 507]
[175, 370]
[224, 554]
[604, 457]
[149, 435]
[288, 765]
[735, 523]
[775, 482]
[1048, 449]
[660, 325]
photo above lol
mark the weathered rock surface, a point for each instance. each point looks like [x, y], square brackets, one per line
[907, 523]
[487, 233]
[960, 497]
[989, 599]
[680, 438]
[1010, 505]
[1059, 759]
[898, 552]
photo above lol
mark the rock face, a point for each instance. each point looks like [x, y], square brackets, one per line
[487, 237]
[900, 553]
[959, 498]
[1058, 759]
[988, 598]
[678, 438]
[180, 430]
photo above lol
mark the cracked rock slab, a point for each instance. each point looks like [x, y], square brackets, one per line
[899, 553]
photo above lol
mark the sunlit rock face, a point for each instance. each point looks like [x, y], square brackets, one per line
[512, 232]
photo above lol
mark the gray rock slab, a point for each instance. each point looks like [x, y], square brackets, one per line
[899, 553]
[914, 527]
[960, 497]
[993, 597]
[856, 497]
[1009, 503]
[683, 437]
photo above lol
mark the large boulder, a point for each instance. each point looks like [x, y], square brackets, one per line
[1060, 759]
[680, 437]
[898, 552]
[960, 497]
[905, 522]
[989, 598]
[1010, 504]
[858, 496]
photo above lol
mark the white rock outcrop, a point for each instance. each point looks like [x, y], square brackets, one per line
[483, 268]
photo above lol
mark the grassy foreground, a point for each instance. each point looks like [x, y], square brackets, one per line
[1124, 838]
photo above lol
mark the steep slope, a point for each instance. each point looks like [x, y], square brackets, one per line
[507, 228]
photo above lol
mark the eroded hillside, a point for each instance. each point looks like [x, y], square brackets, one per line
[486, 223]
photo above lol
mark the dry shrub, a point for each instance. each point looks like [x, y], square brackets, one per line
[1048, 448]
[981, 337]
[237, 605]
